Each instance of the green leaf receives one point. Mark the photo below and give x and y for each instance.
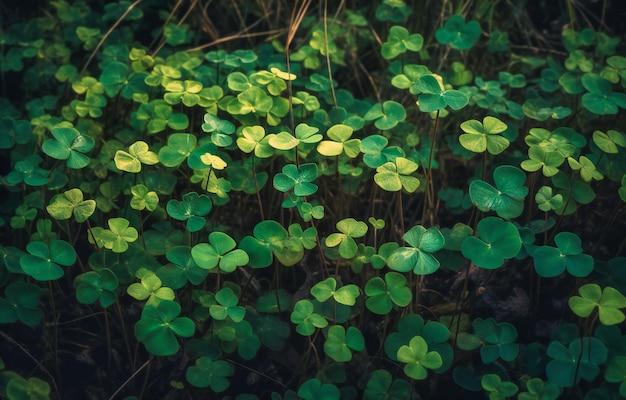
(44, 263)
(397, 175)
(507, 198)
(608, 142)
(138, 153)
(399, 41)
(207, 372)
(382, 385)
(419, 256)
(479, 137)
(298, 178)
(580, 360)
(339, 343)
(63, 206)
(306, 319)
(497, 241)
(327, 288)
(159, 325)
(418, 359)
(219, 251)
(608, 301)
(433, 97)
(95, 286)
(21, 303)
(69, 144)
(192, 208)
(550, 262)
(457, 33)
(382, 295)
(179, 147)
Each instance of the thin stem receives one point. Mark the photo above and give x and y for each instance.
(430, 191)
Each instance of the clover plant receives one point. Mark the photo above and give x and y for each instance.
(254, 200)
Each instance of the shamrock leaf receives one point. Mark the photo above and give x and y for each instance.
(69, 144)
(306, 319)
(479, 137)
(327, 288)
(44, 262)
(119, 234)
(150, 289)
(350, 229)
(608, 301)
(580, 360)
(208, 372)
(399, 41)
(550, 261)
(340, 143)
(227, 306)
(192, 209)
(69, 203)
(383, 294)
(219, 251)
(418, 359)
(599, 98)
(396, 175)
(339, 342)
(160, 324)
(433, 97)
(21, 303)
(179, 147)
(497, 241)
(138, 153)
(95, 286)
(419, 256)
(507, 198)
(297, 178)
(458, 34)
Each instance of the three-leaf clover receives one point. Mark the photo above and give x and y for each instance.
(399, 41)
(340, 341)
(150, 289)
(227, 306)
(208, 372)
(43, 262)
(497, 241)
(383, 294)
(21, 302)
(179, 147)
(394, 176)
(616, 373)
(434, 97)
(506, 198)
(138, 153)
(382, 385)
(498, 389)
(340, 142)
(327, 288)
(580, 359)
(418, 359)
(69, 203)
(306, 319)
(297, 178)
(95, 286)
(270, 239)
(160, 324)
(219, 251)
(350, 229)
(479, 137)
(457, 33)
(599, 98)
(568, 255)
(418, 257)
(609, 301)
(192, 208)
(119, 234)
(69, 144)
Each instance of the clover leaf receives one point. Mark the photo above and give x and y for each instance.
(150, 289)
(31, 388)
(609, 301)
(340, 341)
(143, 198)
(192, 208)
(98, 286)
(498, 389)
(383, 294)
(506, 198)
(29, 172)
(418, 359)
(599, 98)
(497, 241)
(21, 303)
(381, 385)
(181, 269)
(69, 144)
(539, 158)
(399, 41)
(219, 251)
(419, 256)
(179, 147)
(297, 178)
(208, 372)
(119, 234)
(313, 389)
(479, 137)
(539, 390)
(270, 239)
(547, 201)
(550, 261)
(340, 143)
(43, 262)
(350, 229)
(616, 373)
(580, 360)
(327, 288)
(433, 97)
(457, 33)
(138, 153)
(608, 142)
(586, 167)
(396, 175)
(70, 202)
(160, 324)
(498, 340)
(306, 319)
